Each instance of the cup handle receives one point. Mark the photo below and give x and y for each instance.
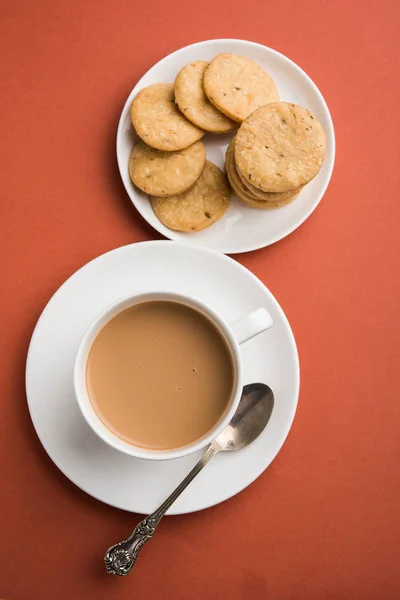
(251, 325)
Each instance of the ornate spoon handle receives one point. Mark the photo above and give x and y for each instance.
(121, 557)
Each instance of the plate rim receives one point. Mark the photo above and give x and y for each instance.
(219, 255)
(329, 157)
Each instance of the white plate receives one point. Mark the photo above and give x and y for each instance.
(118, 479)
(242, 228)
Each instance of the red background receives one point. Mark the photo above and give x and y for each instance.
(323, 521)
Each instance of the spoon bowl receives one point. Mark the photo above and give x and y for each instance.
(250, 419)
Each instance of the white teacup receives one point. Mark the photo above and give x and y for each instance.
(234, 334)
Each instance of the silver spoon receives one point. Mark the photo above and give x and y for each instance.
(251, 417)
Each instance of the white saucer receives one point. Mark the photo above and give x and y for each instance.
(242, 228)
(120, 480)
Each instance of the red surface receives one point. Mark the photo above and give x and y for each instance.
(323, 521)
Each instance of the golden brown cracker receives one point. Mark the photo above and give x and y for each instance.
(159, 122)
(166, 173)
(200, 206)
(280, 147)
(193, 102)
(237, 86)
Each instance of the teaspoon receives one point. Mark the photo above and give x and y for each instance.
(251, 417)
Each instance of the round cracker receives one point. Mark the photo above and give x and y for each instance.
(240, 189)
(200, 206)
(237, 86)
(158, 121)
(280, 147)
(166, 173)
(192, 101)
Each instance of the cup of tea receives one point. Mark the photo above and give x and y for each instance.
(158, 375)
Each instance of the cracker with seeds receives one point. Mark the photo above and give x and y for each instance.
(194, 104)
(158, 121)
(166, 173)
(237, 86)
(280, 147)
(200, 206)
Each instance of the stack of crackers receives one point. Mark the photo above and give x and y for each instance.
(278, 148)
